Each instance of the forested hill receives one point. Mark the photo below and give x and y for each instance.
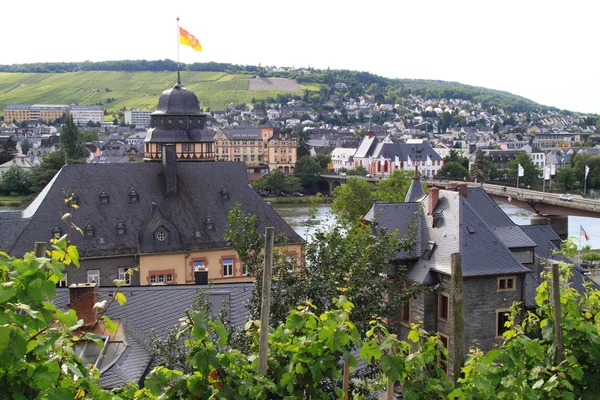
(357, 84)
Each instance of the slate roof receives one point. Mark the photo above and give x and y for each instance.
(245, 133)
(198, 198)
(401, 216)
(509, 232)
(459, 228)
(157, 308)
(415, 191)
(404, 150)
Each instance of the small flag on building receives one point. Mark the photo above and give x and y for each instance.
(521, 170)
(553, 169)
(188, 39)
(408, 162)
(587, 171)
(397, 161)
(429, 162)
(583, 233)
(547, 173)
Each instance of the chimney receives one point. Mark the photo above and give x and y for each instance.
(169, 161)
(462, 189)
(434, 195)
(83, 297)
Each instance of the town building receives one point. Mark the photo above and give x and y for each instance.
(139, 118)
(165, 217)
(42, 112)
(501, 261)
(125, 357)
(17, 112)
(383, 157)
(260, 147)
(82, 115)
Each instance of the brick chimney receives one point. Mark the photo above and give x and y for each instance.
(434, 196)
(83, 297)
(462, 189)
(169, 162)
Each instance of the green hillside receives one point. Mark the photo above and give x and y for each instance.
(115, 90)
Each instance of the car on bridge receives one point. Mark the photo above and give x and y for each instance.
(565, 197)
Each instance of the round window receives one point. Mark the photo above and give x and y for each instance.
(161, 235)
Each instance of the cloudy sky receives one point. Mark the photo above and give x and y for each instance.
(547, 51)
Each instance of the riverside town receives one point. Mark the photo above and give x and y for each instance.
(224, 231)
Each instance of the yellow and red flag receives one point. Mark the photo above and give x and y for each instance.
(189, 40)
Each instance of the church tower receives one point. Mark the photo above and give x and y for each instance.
(179, 122)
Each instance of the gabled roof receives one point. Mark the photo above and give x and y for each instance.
(198, 199)
(366, 146)
(509, 232)
(400, 216)
(404, 150)
(459, 228)
(157, 308)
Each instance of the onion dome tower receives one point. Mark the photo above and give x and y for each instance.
(179, 122)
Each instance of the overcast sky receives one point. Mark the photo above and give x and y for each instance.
(547, 51)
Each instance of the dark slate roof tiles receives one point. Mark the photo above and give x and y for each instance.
(198, 198)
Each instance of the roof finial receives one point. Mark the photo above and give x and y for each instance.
(416, 176)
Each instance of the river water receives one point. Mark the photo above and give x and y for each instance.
(296, 215)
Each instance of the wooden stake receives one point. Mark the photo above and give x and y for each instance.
(346, 383)
(389, 390)
(556, 299)
(40, 249)
(457, 302)
(265, 305)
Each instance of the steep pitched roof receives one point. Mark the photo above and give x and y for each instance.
(198, 199)
(400, 216)
(509, 232)
(157, 308)
(458, 229)
(415, 191)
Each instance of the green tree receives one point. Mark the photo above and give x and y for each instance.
(323, 159)
(452, 170)
(8, 151)
(88, 136)
(25, 146)
(307, 170)
(481, 167)
(41, 174)
(394, 188)
(454, 156)
(352, 200)
(16, 180)
(70, 142)
(566, 177)
(532, 173)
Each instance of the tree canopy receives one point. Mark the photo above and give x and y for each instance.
(307, 170)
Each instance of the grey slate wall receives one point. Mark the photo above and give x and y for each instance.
(109, 270)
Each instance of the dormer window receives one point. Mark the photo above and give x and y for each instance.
(429, 250)
(210, 225)
(74, 199)
(134, 197)
(224, 193)
(103, 197)
(56, 232)
(120, 228)
(89, 230)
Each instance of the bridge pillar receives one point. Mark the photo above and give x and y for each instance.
(560, 223)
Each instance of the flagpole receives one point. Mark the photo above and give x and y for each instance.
(178, 33)
(579, 254)
(585, 174)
